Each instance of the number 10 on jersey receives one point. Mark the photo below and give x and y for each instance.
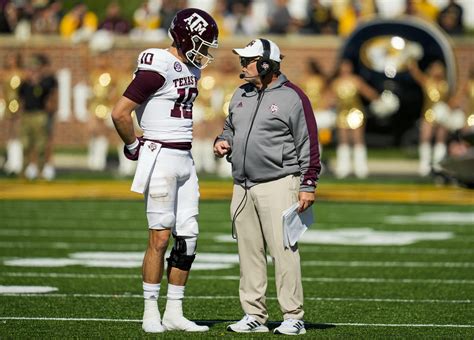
(183, 106)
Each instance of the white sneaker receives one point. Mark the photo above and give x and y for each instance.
(290, 327)
(248, 324)
(48, 173)
(180, 323)
(31, 171)
(152, 322)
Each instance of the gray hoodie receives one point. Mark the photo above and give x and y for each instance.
(272, 134)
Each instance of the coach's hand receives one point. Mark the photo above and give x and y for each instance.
(306, 199)
(221, 148)
(132, 151)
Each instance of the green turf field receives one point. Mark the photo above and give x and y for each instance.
(357, 284)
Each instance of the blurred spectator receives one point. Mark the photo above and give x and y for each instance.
(346, 91)
(145, 18)
(315, 86)
(46, 20)
(168, 10)
(279, 18)
(103, 84)
(434, 114)
(353, 12)
(422, 9)
(8, 16)
(427, 10)
(221, 15)
(462, 103)
(320, 19)
(231, 3)
(51, 100)
(113, 21)
(451, 18)
(240, 20)
(34, 95)
(78, 23)
(25, 12)
(11, 77)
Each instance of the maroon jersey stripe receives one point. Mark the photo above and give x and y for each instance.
(314, 161)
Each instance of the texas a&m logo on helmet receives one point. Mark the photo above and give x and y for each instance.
(193, 32)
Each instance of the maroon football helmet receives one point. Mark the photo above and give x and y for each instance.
(193, 32)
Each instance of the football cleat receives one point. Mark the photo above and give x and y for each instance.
(180, 323)
(248, 324)
(290, 327)
(152, 322)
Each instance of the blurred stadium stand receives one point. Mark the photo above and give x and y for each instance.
(71, 132)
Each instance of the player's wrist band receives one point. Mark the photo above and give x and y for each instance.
(132, 146)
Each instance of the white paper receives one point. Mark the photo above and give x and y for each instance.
(294, 224)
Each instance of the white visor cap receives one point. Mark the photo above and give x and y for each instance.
(255, 49)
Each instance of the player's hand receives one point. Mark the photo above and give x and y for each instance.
(306, 199)
(132, 151)
(221, 148)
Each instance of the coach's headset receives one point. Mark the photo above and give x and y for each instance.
(264, 64)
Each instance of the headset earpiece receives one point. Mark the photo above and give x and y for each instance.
(264, 64)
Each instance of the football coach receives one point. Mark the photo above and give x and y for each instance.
(270, 137)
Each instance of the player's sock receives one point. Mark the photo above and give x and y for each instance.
(173, 318)
(151, 314)
(343, 161)
(439, 152)
(361, 169)
(424, 150)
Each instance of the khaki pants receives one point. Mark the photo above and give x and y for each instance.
(259, 227)
(33, 131)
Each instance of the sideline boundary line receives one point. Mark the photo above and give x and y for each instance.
(216, 190)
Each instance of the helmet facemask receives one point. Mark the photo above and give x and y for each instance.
(199, 55)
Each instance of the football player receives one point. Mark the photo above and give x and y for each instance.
(162, 94)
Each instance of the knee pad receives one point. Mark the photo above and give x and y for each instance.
(179, 257)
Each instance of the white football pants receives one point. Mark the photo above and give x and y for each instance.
(172, 195)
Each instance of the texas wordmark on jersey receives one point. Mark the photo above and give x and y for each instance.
(167, 114)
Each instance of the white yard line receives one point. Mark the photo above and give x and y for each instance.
(217, 248)
(236, 278)
(140, 296)
(74, 245)
(366, 249)
(404, 264)
(72, 233)
(328, 323)
(87, 233)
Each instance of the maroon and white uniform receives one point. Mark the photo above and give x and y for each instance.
(166, 88)
(167, 114)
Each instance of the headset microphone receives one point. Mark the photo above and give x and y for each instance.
(242, 76)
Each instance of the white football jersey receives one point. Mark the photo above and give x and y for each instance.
(167, 114)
